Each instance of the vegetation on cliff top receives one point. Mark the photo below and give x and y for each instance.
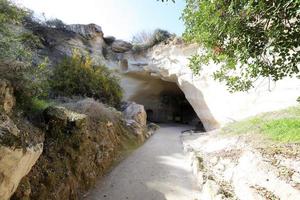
(249, 39)
(35, 83)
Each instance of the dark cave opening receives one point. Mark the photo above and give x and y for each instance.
(164, 101)
(173, 108)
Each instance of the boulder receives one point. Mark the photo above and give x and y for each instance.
(109, 40)
(136, 112)
(16, 157)
(120, 46)
(151, 128)
(7, 127)
(88, 31)
(7, 99)
(64, 120)
(136, 118)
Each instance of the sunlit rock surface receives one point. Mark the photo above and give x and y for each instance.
(234, 167)
(136, 117)
(7, 99)
(211, 100)
(20, 145)
(147, 74)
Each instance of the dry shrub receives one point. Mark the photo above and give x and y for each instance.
(94, 109)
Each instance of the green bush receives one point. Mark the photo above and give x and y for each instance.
(17, 48)
(77, 76)
(280, 126)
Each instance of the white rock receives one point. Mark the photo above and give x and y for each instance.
(14, 165)
(214, 105)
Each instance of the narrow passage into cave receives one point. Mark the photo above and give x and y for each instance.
(164, 102)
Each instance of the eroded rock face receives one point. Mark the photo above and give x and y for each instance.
(120, 46)
(87, 31)
(169, 61)
(14, 165)
(7, 99)
(232, 167)
(137, 118)
(19, 147)
(213, 103)
(136, 112)
(62, 119)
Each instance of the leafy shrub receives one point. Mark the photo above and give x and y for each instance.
(143, 40)
(11, 47)
(16, 52)
(30, 85)
(77, 76)
(247, 39)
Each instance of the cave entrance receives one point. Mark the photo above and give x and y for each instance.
(170, 107)
(164, 102)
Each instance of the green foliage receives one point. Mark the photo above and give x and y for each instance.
(143, 41)
(11, 40)
(29, 82)
(283, 129)
(16, 50)
(281, 126)
(77, 76)
(38, 104)
(249, 39)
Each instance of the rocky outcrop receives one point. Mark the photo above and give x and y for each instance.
(7, 99)
(136, 117)
(20, 144)
(120, 46)
(14, 165)
(144, 74)
(136, 112)
(58, 43)
(64, 120)
(109, 39)
(231, 167)
(88, 31)
(213, 103)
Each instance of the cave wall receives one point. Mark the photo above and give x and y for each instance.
(164, 100)
(168, 61)
(210, 99)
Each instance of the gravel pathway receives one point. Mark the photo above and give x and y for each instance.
(158, 170)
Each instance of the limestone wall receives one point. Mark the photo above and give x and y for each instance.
(210, 99)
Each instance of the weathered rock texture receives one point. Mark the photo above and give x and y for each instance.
(136, 118)
(233, 168)
(214, 105)
(120, 46)
(7, 99)
(84, 139)
(89, 31)
(147, 74)
(20, 144)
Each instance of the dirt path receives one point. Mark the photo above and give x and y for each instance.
(156, 171)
